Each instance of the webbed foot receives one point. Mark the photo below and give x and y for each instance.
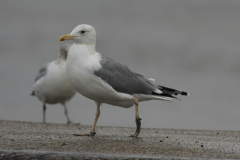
(138, 123)
(86, 134)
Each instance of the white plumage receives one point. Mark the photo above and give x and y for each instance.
(105, 80)
(52, 84)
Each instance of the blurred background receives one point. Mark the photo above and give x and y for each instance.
(187, 45)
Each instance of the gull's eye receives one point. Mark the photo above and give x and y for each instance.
(82, 31)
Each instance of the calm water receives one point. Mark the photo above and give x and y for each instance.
(188, 45)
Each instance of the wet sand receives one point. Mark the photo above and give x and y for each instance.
(56, 141)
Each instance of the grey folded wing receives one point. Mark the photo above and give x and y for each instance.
(122, 79)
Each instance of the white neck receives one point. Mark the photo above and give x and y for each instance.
(82, 58)
(90, 47)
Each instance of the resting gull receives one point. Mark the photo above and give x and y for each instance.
(52, 85)
(105, 80)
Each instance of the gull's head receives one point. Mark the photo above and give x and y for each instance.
(83, 34)
(63, 53)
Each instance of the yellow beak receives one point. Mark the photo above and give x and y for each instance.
(66, 37)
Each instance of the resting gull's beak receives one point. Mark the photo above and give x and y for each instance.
(66, 37)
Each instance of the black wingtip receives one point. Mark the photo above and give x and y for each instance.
(185, 94)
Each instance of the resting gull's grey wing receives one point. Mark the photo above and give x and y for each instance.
(122, 79)
(42, 72)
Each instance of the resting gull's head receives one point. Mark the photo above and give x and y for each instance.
(64, 50)
(83, 34)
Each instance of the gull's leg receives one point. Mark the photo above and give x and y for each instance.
(96, 119)
(44, 112)
(137, 120)
(92, 132)
(66, 114)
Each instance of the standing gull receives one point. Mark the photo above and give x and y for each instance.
(105, 80)
(52, 85)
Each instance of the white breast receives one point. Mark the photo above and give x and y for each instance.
(80, 69)
(54, 87)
